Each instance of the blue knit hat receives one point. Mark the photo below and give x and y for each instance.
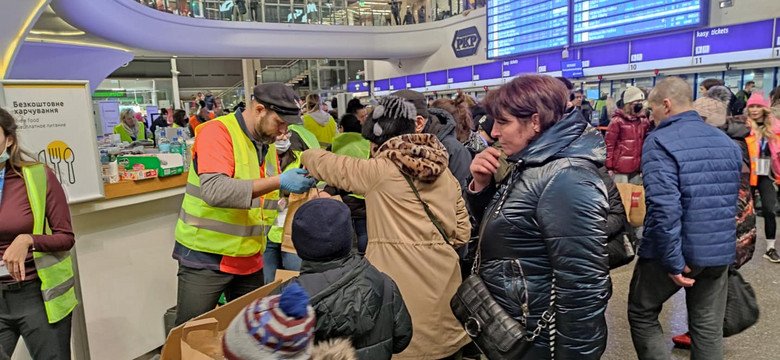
(274, 327)
(322, 230)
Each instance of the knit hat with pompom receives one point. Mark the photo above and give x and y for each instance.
(274, 327)
(393, 116)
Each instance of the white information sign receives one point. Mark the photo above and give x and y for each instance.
(109, 116)
(54, 122)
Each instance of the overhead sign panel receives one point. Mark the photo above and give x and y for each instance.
(436, 78)
(487, 71)
(382, 85)
(519, 66)
(743, 42)
(599, 20)
(398, 83)
(523, 26)
(572, 69)
(459, 75)
(357, 86)
(415, 81)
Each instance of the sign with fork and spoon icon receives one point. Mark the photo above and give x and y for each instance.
(55, 122)
(59, 155)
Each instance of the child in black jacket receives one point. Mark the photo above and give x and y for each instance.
(352, 299)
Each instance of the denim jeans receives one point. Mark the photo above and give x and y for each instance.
(274, 259)
(361, 230)
(706, 302)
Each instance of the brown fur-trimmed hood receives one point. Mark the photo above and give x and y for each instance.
(421, 156)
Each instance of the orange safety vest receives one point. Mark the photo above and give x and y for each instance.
(752, 145)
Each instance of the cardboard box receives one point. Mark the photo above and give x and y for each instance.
(223, 315)
(164, 164)
(133, 175)
(284, 275)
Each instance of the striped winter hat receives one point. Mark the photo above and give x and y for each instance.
(274, 327)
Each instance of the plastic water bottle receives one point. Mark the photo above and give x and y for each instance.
(157, 132)
(176, 147)
(628, 246)
(180, 134)
(163, 143)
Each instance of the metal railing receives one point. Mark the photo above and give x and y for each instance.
(325, 12)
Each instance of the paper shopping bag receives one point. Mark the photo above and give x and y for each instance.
(293, 203)
(633, 198)
(201, 340)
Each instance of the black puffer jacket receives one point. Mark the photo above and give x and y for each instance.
(354, 300)
(442, 124)
(549, 217)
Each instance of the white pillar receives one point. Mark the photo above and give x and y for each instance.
(250, 67)
(154, 92)
(176, 101)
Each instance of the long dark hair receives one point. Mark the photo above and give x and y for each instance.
(459, 109)
(180, 118)
(19, 156)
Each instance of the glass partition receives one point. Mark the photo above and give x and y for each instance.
(327, 12)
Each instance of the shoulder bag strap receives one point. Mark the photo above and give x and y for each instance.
(428, 211)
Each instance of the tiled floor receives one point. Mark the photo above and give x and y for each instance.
(759, 342)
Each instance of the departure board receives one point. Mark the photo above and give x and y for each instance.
(597, 20)
(522, 26)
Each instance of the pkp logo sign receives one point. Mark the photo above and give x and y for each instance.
(466, 42)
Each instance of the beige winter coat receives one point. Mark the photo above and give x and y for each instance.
(403, 242)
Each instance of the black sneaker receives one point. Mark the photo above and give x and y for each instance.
(772, 256)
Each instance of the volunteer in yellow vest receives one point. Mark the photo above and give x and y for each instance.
(36, 278)
(319, 122)
(288, 149)
(222, 226)
(129, 128)
(351, 142)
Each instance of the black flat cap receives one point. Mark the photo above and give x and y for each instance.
(280, 98)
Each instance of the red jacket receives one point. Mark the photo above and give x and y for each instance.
(625, 137)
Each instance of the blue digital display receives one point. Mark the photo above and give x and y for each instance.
(597, 20)
(522, 26)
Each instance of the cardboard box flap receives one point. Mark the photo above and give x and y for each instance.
(223, 314)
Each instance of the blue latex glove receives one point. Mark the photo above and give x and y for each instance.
(294, 181)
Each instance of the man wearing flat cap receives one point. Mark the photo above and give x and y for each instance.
(226, 212)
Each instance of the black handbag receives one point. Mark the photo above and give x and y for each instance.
(741, 305)
(497, 334)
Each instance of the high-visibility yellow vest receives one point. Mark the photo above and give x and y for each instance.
(308, 137)
(224, 231)
(275, 235)
(124, 136)
(276, 232)
(271, 200)
(353, 145)
(55, 269)
(324, 134)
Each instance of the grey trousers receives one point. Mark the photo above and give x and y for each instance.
(705, 300)
(22, 313)
(199, 290)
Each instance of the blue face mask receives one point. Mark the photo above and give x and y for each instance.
(5, 155)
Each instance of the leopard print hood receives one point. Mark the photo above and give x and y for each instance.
(421, 156)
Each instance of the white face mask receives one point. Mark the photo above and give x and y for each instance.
(5, 155)
(282, 146)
